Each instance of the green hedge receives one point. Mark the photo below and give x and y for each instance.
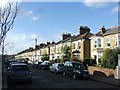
(109, 59)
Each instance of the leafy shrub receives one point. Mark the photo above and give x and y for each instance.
(92, 62)
(45, 57)
(109, 59)
(87, 62)
(118, 50)
(99, 60)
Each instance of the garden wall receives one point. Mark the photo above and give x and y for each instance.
(103, 72)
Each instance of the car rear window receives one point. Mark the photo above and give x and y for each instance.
(20, 68)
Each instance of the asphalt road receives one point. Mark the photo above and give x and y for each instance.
(46, 79)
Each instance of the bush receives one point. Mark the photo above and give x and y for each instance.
(99, 60)
(87, 62)
(52, 61)
(92, 62)
(62, 60)
(118, 50)
(109, 59)
(45, 57)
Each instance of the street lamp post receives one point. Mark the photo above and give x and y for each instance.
(35, 49)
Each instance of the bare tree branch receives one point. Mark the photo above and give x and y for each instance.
(8, 14)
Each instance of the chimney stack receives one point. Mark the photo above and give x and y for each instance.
(53, 42)
(83, 29)
(65, 36)
(48, 43)
(103, 29)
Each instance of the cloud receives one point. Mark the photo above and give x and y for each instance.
(94, 4)
(116, 9)
(33, 36)
(3, 3)
(35, 18)
(23, 12)
(28, 13)
(16, 42)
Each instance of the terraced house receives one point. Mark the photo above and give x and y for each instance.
(83, 46)
(105, 38)
(80, 47)
(66, 41)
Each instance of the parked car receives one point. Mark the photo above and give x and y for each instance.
(23, 61)
(9, 61)
(19, 72)
(56, 68)
(75, 69)
(36, 64)
(44, 65)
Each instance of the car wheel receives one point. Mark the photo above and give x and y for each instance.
(64, 73)
(74, 76)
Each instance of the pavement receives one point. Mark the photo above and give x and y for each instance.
(107, 80)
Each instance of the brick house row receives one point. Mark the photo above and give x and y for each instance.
(105, 38)
(85, 45)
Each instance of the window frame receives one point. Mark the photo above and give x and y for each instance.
(108, 41)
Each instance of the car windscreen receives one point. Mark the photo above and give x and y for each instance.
(78, 66)
(20, 68)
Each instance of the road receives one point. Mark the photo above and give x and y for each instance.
(46, 79)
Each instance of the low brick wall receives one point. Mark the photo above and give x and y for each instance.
(103, 71)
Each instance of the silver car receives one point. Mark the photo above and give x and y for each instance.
(56, 67)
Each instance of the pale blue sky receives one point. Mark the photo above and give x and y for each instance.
(47, 21)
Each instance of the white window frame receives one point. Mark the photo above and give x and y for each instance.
(108, 41)
(98, 42)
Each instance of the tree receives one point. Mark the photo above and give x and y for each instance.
(45, 57)
(109, 59)
(8, 13)
(66, 51)
(118, 50)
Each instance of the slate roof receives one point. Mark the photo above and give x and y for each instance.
(113, 30)
(109, 31)
(100, 33)
(62, 41)
(82, 36)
